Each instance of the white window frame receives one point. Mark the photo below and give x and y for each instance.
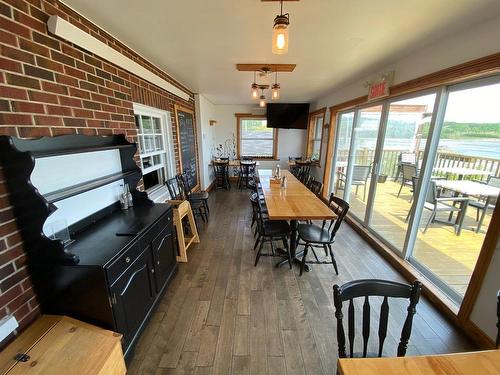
(240, 139)
(158, 192)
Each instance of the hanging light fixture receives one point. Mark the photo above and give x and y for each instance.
(280, 32)
(255, 88)
(275, 89)
(262, 101)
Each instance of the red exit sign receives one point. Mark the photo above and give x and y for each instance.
(378, 89)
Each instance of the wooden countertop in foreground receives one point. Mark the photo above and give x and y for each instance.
(471, 363)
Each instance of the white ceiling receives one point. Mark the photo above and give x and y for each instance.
(332, 42)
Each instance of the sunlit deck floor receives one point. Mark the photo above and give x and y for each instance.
(447, 255)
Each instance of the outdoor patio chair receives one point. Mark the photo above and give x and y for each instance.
(409, 170)
(480, 204)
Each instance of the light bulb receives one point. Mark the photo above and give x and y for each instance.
(280, 39)
(255, 91)
(275, 93)
(262, 102)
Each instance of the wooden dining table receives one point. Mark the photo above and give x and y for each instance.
(294, 202)
(471, 363)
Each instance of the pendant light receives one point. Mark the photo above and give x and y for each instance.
(275, 89)
(262, 101)
(280, 32)
(255, 88)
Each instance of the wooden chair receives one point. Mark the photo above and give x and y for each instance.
(303, 170)
(270, 231)
(366, 289)
(221, 171)
(247, 170)
(202, 196)
(314, 236)
(409, 170)
(315, 187)
(177, 194)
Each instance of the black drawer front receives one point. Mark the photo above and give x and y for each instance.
(152, 232)
(163, 256)
(121, 264)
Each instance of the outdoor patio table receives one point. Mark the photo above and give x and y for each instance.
(467, 188)
(461, 171)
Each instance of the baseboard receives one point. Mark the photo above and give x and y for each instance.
(210, 187)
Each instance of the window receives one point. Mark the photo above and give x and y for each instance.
(315, 134)
(255, 138)
(154, 139)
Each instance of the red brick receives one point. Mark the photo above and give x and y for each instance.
(49, 64)
(8, 130)
(102, 115)
(95, 124)
(62, 131)
(62, 58)
(109, 68)
(71, 102)
(84, 66)
(27, 107)
(10, 295)
(105, 91)
(15, 119)
(75, 122)
(38, 14)
(78, 112)
(13, 279)
(48, 121)
(18, 80)
(21, 299)
(8, 38)
(96, 80)
(88, 86)
(46, 40)
(11, 65)
(38, 72)
(11, 254)
(109, 108)
(68, 50)
(30, 46)
(93, 61)
(74, 72)
(91, 105)
(66, 80)
(5, 10)
(6, 270)
(14, 239)
(79, 93)
(34, 132)
(55, 88)
(37, 96)
(105, 132)
(18, 4)
(86, 131)
(14, 27)
(58, 110)
(29, 21)
(17, 54)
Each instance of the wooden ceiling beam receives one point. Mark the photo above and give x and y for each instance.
(271, 67)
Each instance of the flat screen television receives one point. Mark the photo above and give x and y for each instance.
(287, 115)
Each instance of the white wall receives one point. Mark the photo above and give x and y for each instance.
(291, 142)
(205, 111)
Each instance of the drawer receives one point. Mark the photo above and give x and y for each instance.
(120, 265)
(152, 232)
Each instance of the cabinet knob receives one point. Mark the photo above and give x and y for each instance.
(158, 262)
(127, 260)
(152, 270)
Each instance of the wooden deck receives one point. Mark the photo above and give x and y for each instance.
(449, 256)
(221, 315)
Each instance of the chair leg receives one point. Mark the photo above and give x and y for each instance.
(364, 192)
(258, 252)
(302, 265)
(334, 261)
(256, 242)
(401, 188)
(431, 219)
(285, 243)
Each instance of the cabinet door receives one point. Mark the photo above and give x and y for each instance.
(133, 295)
(163, 256)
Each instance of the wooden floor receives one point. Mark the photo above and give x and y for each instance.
(222, 315)
(452, 258)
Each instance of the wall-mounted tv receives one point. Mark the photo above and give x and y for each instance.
(287, 115)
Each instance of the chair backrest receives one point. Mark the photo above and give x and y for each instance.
(431, 193)
(247, 158)
(340, 207)
(498, 320)
(372, 287)
(257, 211)
(494, 181)
(183, 183)
(294, 158)
(360, 172)
(408, 157)
(174, 189)
(315, 187)
(221, 168)
(409, 170)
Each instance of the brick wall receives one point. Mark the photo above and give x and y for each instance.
(49, 87)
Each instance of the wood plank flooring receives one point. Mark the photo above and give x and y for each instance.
(222, 315)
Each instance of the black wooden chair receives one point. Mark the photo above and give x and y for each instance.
(498, 320)
(246, 173)
(193, 196)
(365, 289)
(314, 236)
(221, 171)
(303, 170)
(315, 187)
(270, 231)
(176, 193)
(293, 168)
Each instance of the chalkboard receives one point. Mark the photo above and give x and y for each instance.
(186, 136)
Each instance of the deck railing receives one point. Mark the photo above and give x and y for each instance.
(391, 158)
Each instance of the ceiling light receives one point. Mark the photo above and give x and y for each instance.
(280, 32)
(262, 102)
(255, 88)
(275, 90)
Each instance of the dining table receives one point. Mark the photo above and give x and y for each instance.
(470, 363)
(471, 188)
(293, 203)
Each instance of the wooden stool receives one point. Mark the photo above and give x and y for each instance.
(181, 210)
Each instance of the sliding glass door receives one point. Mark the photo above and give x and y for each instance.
(422, 173)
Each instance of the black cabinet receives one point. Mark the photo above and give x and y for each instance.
(163, 256)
